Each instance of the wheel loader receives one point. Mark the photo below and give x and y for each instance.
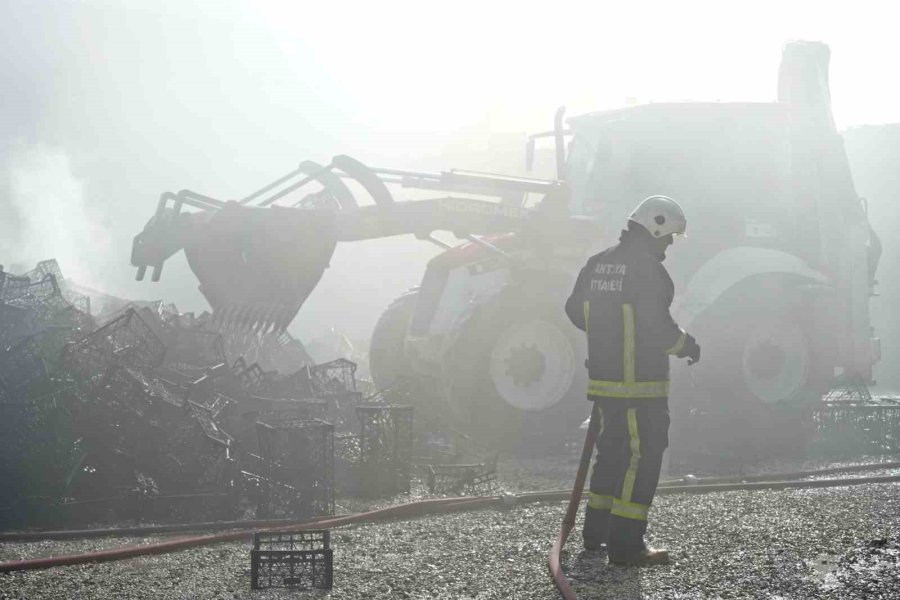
(773, 279)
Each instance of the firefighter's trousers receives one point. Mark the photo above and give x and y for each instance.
(632, 436)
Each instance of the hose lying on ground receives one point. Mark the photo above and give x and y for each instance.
(67, 534)
(786, 475)
(553, 561)
(143, 530)
(408, 511)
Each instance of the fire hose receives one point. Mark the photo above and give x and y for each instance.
(551, 496)
(440, 506)
(409, 510)
(553, 561)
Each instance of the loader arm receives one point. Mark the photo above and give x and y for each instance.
(461, 216)
(258, 261)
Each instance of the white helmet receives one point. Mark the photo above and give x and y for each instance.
(660, 215)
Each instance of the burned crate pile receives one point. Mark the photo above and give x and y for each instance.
(142, 412)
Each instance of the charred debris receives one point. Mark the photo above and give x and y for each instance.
(144, 413)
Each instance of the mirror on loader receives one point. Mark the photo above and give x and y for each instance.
(559, 135)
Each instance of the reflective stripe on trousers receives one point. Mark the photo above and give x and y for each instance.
(600, 501)
(623, 506)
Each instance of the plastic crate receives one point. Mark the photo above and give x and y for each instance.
(298, 461)
(385, 443)
(300, 560)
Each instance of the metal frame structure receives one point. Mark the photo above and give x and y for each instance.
(334, 211)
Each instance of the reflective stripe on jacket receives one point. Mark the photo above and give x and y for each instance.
(621, 300)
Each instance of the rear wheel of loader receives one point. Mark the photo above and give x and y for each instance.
(749, 394)
(516, 374)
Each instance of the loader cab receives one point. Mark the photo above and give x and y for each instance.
(728, 165)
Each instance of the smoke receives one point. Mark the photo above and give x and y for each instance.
(47, 216)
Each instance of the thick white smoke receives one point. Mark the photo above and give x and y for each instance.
(46, 216)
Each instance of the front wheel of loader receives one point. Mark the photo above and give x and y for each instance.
(387, 356)
(516, 374)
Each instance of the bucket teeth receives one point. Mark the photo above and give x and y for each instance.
(253, 319)
(243, 317)
(229, 316)
(264, 319)
(261, 320)
(270, 318)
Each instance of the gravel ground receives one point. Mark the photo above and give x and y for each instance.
(757, 544)
(825, 543)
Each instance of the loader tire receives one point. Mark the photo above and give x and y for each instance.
(750, 395)
(387, 358)
(516, 375)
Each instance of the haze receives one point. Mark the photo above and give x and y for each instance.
(108, 104)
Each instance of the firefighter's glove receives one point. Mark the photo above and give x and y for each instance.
(690, 350)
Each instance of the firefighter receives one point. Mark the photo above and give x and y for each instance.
(621, 301)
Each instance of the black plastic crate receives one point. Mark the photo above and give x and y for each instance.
(385, 448)
(462, 479)
(298, 461)
(300, 560)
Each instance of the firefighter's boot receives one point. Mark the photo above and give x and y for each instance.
(645, 558)
(596, 528)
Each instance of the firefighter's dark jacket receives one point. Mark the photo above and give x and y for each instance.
(621, 300)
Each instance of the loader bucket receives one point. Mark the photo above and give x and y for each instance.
(256, 266)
